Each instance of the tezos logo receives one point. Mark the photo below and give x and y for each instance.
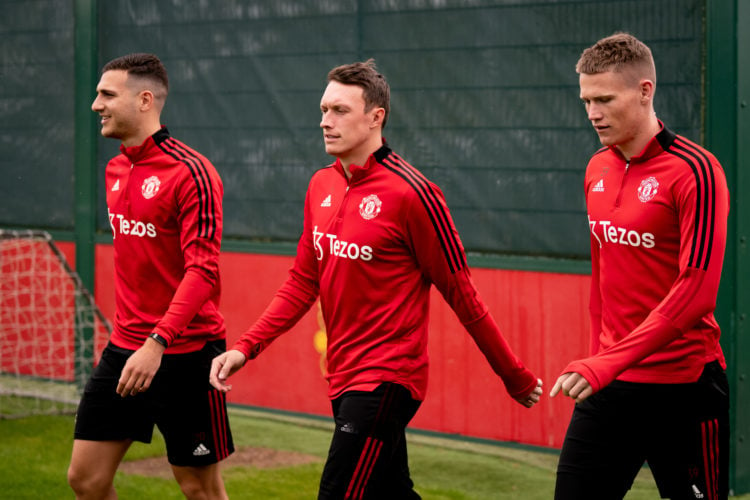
(121, 225)
(369, 208)
(150, 187)
(648, 189)
(605, 231)
(339, 248)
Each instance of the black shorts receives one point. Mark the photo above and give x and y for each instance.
(188, 411)
(368, 458)
(680, 430)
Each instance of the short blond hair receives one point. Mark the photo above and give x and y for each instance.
(619, 52)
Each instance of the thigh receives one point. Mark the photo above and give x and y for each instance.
(96, 462)
(193, 415)
(103, 415)
(367, 457)
(690, 456)
(603, 449)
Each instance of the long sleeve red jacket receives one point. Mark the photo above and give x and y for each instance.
(165, 209)
(658, 232)
(371, 248)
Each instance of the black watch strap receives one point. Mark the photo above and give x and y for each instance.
(159, 339)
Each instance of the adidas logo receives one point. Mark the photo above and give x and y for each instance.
(696, 492)
(326, 202)
(116, 187)
(200, 451)
(348, 427)
(599, 186)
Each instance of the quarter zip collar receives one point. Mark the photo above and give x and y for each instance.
(657, 145)
(360, 171)
(145, 149)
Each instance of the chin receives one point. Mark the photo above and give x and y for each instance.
(333, 151)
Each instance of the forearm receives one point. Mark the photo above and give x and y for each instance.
(518, 380)
(192, 292)
(286, 308)
(601, 369)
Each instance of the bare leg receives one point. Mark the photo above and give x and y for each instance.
(201, 483)
(93, 466)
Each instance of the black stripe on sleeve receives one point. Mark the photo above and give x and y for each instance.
(203, 184)
(705, 204)
(438, 215)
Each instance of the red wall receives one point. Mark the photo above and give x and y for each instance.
(543, 316)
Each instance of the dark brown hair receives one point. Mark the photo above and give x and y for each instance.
(141, 65)
(375, 89)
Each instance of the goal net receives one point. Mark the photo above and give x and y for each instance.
(48, 323)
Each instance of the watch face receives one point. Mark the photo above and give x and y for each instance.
(159, 339)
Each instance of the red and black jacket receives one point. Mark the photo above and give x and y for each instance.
(371, 248)
(164, 203)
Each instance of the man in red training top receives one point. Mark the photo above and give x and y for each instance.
(654, 386)
(165, 208)
(377, 234)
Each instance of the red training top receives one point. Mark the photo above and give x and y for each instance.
(164, 206)
(371, 247)
(658, 231)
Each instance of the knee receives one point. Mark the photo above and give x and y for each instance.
(197, 485)
(192, 489)
(88, 485)
(76, 480)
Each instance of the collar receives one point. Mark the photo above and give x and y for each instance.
(659, 143)
(146, 148)
(374, 159)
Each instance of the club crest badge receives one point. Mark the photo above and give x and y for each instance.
(648, 189)
(150, 187)
(369, 208)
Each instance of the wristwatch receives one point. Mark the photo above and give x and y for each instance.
(158, 338)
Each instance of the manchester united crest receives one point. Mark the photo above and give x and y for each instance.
(369, 208)
(150, 187)
(648, 189)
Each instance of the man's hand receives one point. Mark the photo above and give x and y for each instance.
(140, 369)
(534, 396)
(223, 366)
(573, 385)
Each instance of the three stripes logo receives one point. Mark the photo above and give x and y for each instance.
(201, 450)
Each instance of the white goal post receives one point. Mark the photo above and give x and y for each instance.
(48, 322)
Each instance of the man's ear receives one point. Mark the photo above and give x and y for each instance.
(377, 117)
(647, 88)
(145, 100)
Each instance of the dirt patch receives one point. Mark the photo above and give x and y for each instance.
(260, 458)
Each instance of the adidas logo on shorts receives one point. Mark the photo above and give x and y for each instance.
(201, 450)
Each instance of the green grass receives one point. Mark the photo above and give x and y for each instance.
(35, 452)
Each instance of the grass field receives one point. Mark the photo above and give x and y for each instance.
(35, 452)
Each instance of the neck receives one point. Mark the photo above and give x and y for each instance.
(645, 134)
(360, 156)
(141, 135)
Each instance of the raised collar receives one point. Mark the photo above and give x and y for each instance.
(658, 144)
(358, 171)
(146, 148)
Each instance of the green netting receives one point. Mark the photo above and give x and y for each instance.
(36, 110)
(484, 101)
